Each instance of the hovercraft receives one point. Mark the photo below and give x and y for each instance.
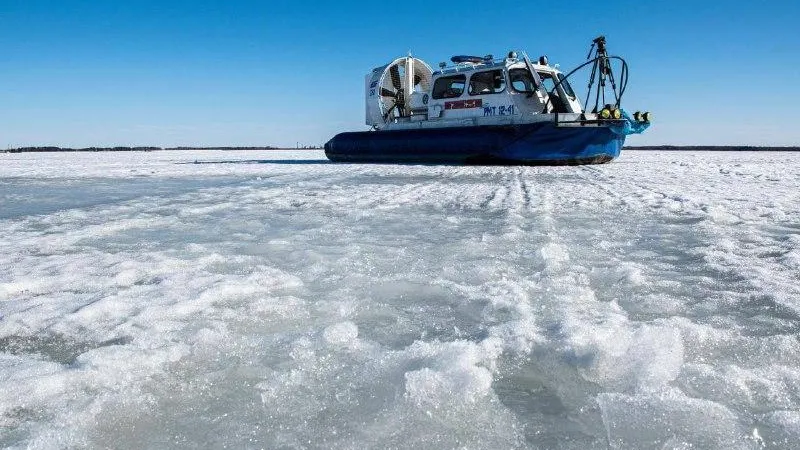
(482, 110)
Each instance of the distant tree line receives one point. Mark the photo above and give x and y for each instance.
(138, 149)
(85, 149)
(222, 148)
(722, 148)
(301, 147)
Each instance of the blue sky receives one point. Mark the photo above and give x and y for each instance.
(143, 72)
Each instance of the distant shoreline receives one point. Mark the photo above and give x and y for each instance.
(138, 149)
(714, 148)
(719, 148)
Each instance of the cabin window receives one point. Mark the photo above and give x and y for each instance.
(565, 84)
(521, 80)
(449, 87)
(487, 82)
(547, 81)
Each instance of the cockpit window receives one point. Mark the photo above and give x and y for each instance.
(554, 95)
(550, 82)
(565, 85)
(449, 87)
(547, 81)
(487, 82)
(521, 80)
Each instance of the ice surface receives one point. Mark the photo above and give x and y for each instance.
(275, 300)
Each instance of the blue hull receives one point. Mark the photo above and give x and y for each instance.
(535, 143)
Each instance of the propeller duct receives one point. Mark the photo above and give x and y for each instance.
(397, 82)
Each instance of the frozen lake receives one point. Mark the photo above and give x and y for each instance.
(273, 300)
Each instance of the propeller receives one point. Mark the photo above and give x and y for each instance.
(399, 104)
(394, 72)
(398, 96)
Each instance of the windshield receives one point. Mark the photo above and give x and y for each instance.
(550, 82)
(565, 85)
(547, 81)
(521, 80)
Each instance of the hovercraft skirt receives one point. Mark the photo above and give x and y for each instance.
(541, 143)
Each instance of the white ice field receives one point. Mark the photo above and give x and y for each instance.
(218, 299)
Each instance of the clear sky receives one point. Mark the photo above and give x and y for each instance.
(165, 73)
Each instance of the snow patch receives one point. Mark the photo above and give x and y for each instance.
(343, 333)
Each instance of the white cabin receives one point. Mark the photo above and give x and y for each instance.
(474, 91)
